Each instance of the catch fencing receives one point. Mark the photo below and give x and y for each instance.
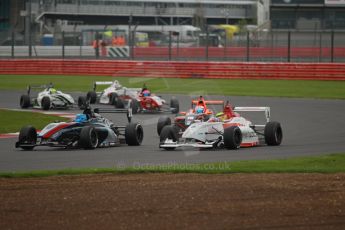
(264, 46)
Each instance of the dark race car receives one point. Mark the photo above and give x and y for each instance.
(88, 130)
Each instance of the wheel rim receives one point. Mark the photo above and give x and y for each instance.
(238, 137)
(139, 134)
(93, 138)
(278, 135)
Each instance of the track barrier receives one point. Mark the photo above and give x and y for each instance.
(175, 69)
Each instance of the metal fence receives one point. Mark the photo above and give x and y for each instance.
(284, 46)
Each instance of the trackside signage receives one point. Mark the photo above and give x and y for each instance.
(335, 2)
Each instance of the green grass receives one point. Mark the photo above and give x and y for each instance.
(332, 163)
(12, 121)
(269, 88)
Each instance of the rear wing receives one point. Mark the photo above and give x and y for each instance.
(209, 102)
(102, 83)
(30, 87)
(110, 110)
(255, 109)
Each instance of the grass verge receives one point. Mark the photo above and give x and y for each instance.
(13, 121)
(332, 163)
(269, 88)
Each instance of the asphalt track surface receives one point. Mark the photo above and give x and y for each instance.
(310, 126)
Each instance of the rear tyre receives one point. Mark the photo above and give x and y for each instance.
(92, 96)
(88, 138)
(27, 135)
(168, 132)
(24, 101)
(82, 102)
(273, 133)
(175, 105)
(134, 106)
(163, 121)
(134, 134)
(232, 137)
(45, 103)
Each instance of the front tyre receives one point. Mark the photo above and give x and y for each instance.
(175, 105)
(134, 134)
(45, 103)
(88, 138)
(120, 103)
(113, 99)
(273, 133)
(27, 136)
(163, 121)
(232, 137)
(168, 132)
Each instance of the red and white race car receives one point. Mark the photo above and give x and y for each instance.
(147, 102)
(227, 130)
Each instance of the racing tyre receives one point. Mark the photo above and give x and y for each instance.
(163, 121)
(175, 105)
(45, 103)
(168, 132)
(27, 135)
(232, 137)
(134, 106)
(24, 101)
(273, 133)
(88, 138)
(92, 96)
(120, 103)
(134, 134)
(113, 99)
(82, 102)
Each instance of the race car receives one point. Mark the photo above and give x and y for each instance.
(230, 130)
(139, 99)
(151, 103)
(49, 98)
(199, 111)
(111, 94)
(89, 130)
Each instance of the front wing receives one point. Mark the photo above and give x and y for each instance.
(172, 144)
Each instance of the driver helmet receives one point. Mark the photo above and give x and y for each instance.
(199, 109)
(146, 93)
(80, 118)
(52, 90)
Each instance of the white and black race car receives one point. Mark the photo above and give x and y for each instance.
(49, 98)
(111, 94)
